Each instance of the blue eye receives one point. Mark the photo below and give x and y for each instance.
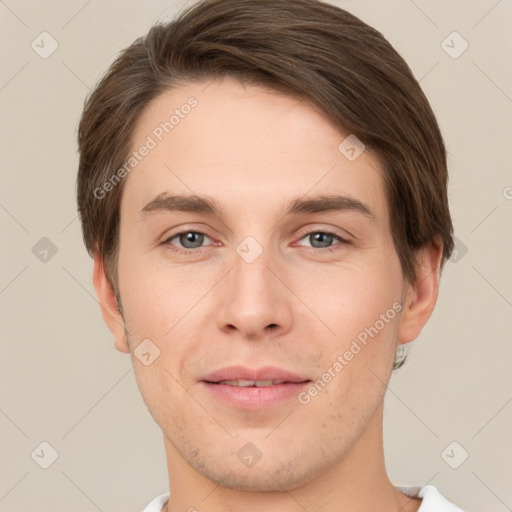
(322, 239)
(188, 239)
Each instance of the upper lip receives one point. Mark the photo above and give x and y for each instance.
(245, 373)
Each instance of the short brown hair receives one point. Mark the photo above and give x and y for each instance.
(305, 48)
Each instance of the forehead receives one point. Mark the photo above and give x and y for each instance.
(246, 146)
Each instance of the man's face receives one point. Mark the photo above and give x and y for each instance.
(254, 286)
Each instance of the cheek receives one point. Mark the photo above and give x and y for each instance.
(162, 304)
(167, 304)
(155, 294)
(346, 301)
(357, 359)
(361, 307)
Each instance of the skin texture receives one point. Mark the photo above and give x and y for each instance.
(296, 306)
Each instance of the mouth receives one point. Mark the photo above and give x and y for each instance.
(245, 388)
(242, 383)
(245, 376)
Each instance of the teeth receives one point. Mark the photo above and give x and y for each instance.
(263, 383)
(247, 383)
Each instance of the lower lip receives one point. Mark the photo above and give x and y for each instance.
(254, 397)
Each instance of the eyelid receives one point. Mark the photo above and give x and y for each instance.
(186, 228)
(341, 241)
(341, 234)
(169, 237)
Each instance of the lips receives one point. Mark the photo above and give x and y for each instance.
(242, 383)
(242, 376)
(265, 388)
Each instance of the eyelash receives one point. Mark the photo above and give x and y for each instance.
(187, 251)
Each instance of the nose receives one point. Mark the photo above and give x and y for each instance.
(252, 299)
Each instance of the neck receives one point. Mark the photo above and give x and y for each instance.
(357, 483)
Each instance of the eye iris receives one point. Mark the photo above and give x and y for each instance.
(324, 238)
(196, 239)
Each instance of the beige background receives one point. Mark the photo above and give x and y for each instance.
(63, 382)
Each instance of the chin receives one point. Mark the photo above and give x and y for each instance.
(260, 478)
(260, 481)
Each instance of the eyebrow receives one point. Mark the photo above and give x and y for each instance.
(209, 206)
(330, 203)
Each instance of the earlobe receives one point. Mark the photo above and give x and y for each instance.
(421, 296)
(109, 307)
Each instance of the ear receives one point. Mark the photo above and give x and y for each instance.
(421, 296)
(109, 306)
